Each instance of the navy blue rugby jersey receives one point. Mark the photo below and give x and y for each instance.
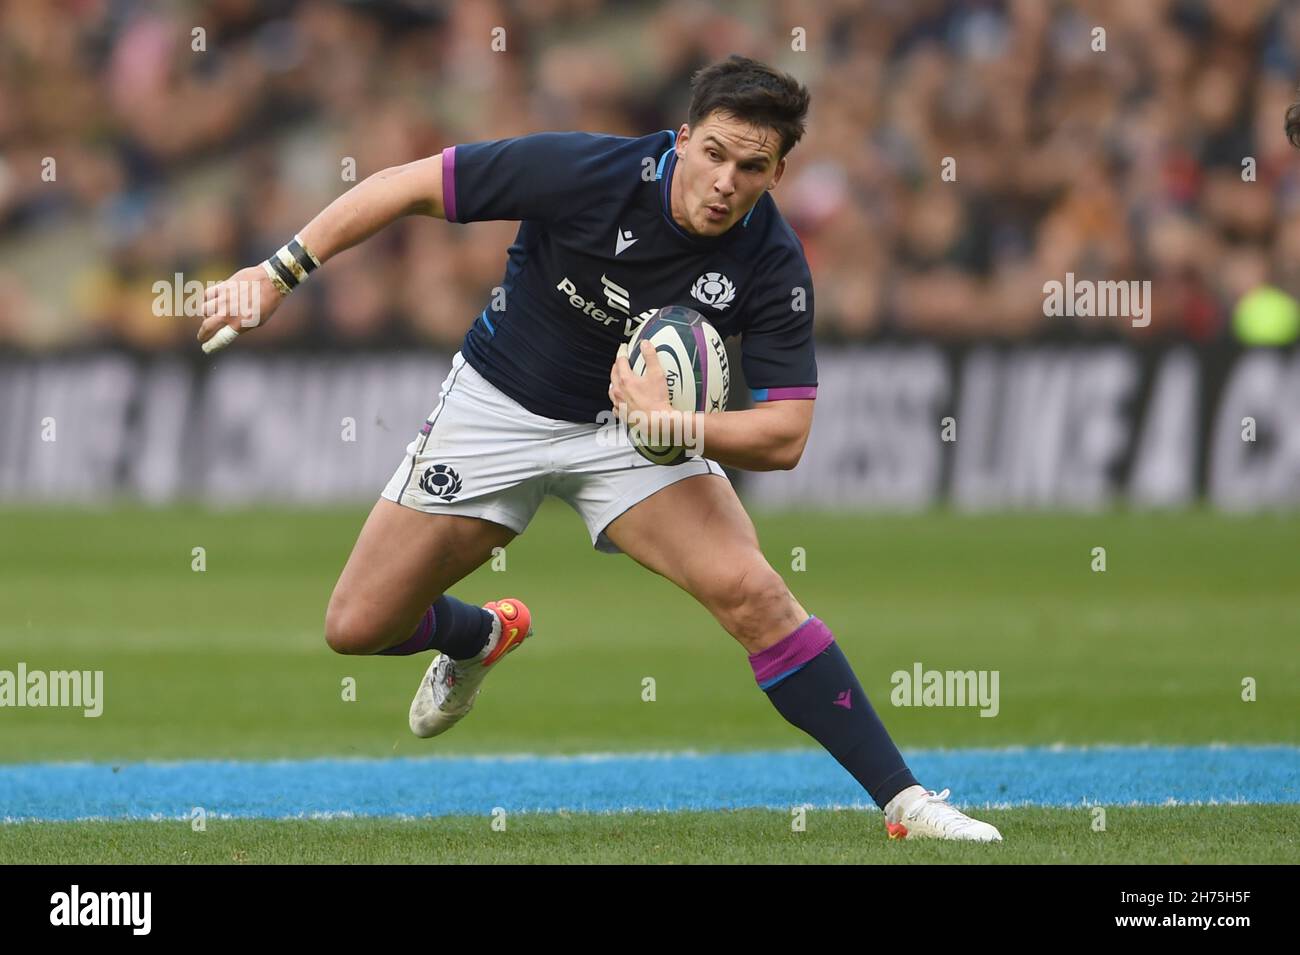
(598, 251)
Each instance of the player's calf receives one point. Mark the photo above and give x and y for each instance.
(751, 601)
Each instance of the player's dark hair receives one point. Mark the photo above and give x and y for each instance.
(754, 93)
(1293, 125)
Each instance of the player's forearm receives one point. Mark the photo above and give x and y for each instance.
(752, 440)
(415, 188)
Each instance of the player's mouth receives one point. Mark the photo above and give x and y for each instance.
(715, 213)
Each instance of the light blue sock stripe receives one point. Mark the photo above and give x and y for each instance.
(768, 684)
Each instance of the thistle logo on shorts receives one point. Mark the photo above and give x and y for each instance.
(440, 481)
(714, 288)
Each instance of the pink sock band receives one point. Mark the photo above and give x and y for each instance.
(791, 652)
(416, 642)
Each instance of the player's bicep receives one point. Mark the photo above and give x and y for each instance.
(792, 417)
(417, 187)
(785, 427)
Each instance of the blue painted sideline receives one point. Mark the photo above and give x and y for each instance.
(438, 786)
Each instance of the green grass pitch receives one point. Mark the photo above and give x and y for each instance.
(230, 662)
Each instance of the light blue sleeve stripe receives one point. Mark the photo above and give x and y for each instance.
(659, 171)
(483, 315)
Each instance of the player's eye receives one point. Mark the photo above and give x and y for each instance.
(713, 154)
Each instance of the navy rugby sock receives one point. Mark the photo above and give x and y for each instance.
(809, 681)
(450, 625)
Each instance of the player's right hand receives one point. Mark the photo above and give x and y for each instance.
(243, 301)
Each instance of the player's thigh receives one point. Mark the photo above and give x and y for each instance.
(403, 560)
(696, 534)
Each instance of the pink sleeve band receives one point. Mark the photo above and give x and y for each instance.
(784, 394)
(449, 183)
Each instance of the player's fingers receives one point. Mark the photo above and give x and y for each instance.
(211, 326)
(618, 401)
(224, 336)
(218, 296)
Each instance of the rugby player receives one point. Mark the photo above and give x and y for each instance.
(612, 228)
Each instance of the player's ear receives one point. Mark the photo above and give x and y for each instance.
(683, 137)
(780, 171)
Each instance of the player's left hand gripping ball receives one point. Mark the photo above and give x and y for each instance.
(631, 393)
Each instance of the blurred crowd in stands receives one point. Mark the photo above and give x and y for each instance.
(196, 138)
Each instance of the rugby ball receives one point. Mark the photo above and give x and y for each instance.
(694, 360)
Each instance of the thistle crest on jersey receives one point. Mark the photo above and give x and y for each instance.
(714, 288)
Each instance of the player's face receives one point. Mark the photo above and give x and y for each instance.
(723, 167)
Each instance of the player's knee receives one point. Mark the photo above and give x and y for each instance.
(749, 598)
(347, 632)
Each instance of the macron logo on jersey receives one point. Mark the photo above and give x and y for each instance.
(625, 241)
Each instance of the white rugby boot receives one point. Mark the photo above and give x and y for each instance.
(450, 687)
(930, 817)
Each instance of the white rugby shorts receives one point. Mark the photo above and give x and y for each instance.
(482, 454)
